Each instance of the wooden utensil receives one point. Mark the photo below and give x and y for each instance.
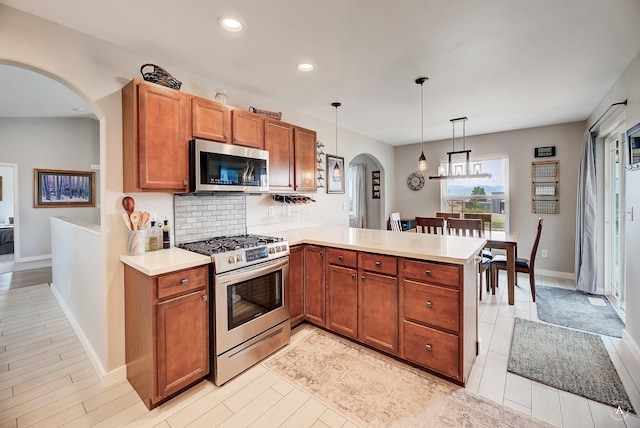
(144, 219)
(129, 205)
(126, 220)
(135, 220)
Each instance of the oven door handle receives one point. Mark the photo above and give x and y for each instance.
(251, 272)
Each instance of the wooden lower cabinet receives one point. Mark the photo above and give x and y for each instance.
(431, 348)
(378, 308)
(295, 294)
(166, 331)
(342, 300)
(314, 285)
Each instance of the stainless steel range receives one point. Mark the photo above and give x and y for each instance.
(250, 317)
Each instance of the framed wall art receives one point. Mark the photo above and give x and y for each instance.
(59, 188)
(375, 184)
(335, 174)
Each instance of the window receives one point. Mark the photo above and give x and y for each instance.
(482, 194)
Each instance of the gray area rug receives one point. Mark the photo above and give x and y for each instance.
(570, 360)
(573, 309)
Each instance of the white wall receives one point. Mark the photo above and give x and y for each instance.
(97, 71)
(628, 87)
(6, 204)
(67, 144)
(558, 232)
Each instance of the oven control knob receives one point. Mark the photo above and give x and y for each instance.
(232, 259)
(239, 257)
(272, 250)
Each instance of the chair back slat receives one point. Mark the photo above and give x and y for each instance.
(433, 225)
(394, 219)
(447, 216)
(534, 249)
(464, 227)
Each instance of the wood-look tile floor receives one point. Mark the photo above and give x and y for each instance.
(47, 380)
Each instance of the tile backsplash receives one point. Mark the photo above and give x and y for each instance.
(203, 217)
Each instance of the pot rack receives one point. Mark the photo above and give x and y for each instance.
(453, 152)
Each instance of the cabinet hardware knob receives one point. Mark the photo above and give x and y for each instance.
(185, 182)
(378, 264)
(235, 138)
(353, 276)
(321, 254)
(429, 304)
(185, 281)
(427, 347)
(362, 277)
(427, 272)
(340, 258)
(205, 298)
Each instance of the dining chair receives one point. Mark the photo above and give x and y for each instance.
(464, 227)
(394, 221)
(432, 225)
(447, 216)
(522, 265)
(485, 217)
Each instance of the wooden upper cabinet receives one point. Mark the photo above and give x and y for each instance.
(156, 130)
(247, 129)
(305, 160)
(278, 140)
(210, 120)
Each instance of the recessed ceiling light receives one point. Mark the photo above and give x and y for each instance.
(232, 24)
(305, 66)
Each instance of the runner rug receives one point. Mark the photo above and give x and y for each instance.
(376, 391)
(566, 359)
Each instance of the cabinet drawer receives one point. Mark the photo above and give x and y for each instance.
(347, 258)
(431, 348)
(430, 304)
(431, 272)
(378, 263)
(180, 282)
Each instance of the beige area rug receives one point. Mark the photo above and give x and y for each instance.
(376, 391)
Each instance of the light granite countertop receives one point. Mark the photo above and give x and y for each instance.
(164, 261)
(442, 248)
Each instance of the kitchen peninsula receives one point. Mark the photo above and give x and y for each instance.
(410, 295)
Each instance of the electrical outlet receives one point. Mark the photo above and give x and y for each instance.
(270, 211)
(345, 206)
(544, 253)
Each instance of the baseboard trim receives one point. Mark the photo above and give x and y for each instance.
(32, 258)
(106, 378)
(632, 345)
(555, 274)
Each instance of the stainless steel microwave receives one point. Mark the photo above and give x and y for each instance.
(219, 167)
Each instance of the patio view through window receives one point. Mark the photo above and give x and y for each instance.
(482, 194)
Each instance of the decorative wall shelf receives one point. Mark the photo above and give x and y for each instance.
(545, 178)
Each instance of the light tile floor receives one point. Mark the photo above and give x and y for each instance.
(47, 380)
(489, 376)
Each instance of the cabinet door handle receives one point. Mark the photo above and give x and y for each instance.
(185, 182)
(429, 304)
(353, 276)
(205, 298)
(185, 282)
(378, 264)
(340, 258)
(362, 277)
(235, 138)
(321, 254)
(428, 272)
(427, 347)
(226, 136)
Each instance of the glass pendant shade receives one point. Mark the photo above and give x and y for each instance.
(423, 165)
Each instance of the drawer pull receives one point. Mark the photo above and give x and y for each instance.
(427, 347)
(378, 264)
(428, 272)
(340, 258)
(185, 282)
(362, 277)
(429, 304)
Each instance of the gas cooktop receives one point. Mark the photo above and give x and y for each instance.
(221, 244)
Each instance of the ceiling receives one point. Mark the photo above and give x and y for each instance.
(505, 64)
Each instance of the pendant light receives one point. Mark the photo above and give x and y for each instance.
(459, 171)
(337, 173)
(423, 164)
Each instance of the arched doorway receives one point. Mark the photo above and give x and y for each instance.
(366, 192)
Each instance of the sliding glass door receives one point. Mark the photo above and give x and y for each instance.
(614, 221)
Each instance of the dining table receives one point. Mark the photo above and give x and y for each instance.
(507, 241)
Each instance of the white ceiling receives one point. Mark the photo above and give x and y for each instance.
(505, 64)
